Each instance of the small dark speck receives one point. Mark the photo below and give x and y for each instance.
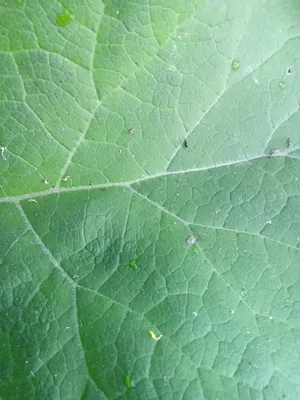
(289, 70)
(185, 143)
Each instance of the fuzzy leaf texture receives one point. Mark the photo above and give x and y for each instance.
(149, 210)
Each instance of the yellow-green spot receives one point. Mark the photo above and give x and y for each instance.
(128, 382)
(64, 18)
(196, 249)
(132, 264)
(152, 334)
(281, 84)
(235, 65)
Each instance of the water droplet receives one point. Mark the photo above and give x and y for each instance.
(281, 84)
(64, 18)
(235, 65)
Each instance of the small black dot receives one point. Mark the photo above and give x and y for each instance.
(289, 70)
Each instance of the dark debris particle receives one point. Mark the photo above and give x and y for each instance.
(185, 144)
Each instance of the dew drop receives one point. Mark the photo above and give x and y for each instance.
(281, 84)
(64, 18)
(235, 65)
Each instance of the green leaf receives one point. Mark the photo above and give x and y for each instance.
(149, 209)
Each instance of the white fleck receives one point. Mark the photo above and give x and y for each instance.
(191, 239)
(172, 68)
(232, 311)
(67, 327)
(195, 313)
(3, 149)
(269, 222)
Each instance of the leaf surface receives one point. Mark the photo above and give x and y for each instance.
(128, 128)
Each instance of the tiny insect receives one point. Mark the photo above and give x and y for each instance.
(132, 264)
(128, 382)
(288, 141)
(131, 131)
(46, 181)
(66, 178)
(185, 143)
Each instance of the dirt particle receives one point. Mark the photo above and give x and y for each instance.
(275, 152)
